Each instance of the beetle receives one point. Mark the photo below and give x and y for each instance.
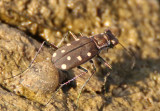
(83, 49)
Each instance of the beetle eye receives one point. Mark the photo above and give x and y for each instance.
(113, 42)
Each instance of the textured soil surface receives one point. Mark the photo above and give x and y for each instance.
(130, 86)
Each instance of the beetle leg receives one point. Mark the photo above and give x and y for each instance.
(93, 65)
(79, 67)
(84, 72)
(106, 82)
(73, 35)
(107, 64)
(93, 72)
(81, 34)
(59, 44)
(66, 35)
(82, 69)
(30, 63)
(55, 47)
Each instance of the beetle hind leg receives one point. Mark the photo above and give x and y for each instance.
(30, 63)
(93, 72)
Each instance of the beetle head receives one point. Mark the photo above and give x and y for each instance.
(105, 40)
(111, 38)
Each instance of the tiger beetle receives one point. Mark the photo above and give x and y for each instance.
(78, 52)
(81, 50)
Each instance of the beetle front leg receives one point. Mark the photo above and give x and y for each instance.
(106, 64)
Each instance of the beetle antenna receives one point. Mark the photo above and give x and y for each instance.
(131, 54)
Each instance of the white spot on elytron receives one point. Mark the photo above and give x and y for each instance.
(54, 55)
(62, 51)
(88, 54)
(69, 58)
(63, 66)
(68, 44)
(79, 58)
(77, 39)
